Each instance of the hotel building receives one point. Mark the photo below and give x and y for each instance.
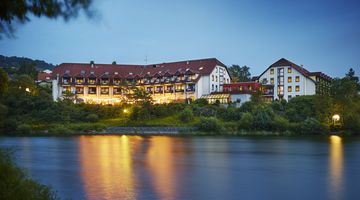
(290, 80)
(166, 82)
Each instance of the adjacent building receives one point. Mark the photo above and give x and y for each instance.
(290, 80)
(166, 82)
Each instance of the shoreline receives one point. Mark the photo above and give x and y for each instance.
(170, 131)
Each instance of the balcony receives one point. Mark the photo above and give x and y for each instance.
(179, 90)
(92, 81)
(158, 91)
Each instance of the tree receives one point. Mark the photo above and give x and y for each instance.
(351, 76)
(141, 96)
(19, 11)
(240, 74)
(28, 68)
(4, 81)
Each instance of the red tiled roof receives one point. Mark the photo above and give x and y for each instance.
(43, 76)
(201, 66)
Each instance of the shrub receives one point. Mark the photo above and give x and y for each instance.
(210, 124)
(280, 123)
(187, 115)
(23, 129)
(228, 114)
(92, 118)
(262, 120)
(311, 126)
(201, 102)
(246, 121)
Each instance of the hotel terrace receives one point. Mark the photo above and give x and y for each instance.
(166, 82)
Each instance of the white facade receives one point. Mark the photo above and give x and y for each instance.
(288, 82)
(205, 84)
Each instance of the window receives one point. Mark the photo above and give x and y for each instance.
(92, 72)
(289, 70)
(216, 88)
(92, 90)
(105, 90)
(297, 78)
(271, 71)
(250, 88)
(82, 72)
(212, 77)
(212, 87)
(289, 79)
(289, 89)
(297, 88)
(216, 78)
(241, 88)
(272, 80)
(79, 90)
(289, 97)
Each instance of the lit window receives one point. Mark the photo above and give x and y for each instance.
(272, 80)
(271, 71)
(250, 88)
(289, 70)
(297, 78)
(297, 88)
(289, 79)
(289, 89)
(241, 88)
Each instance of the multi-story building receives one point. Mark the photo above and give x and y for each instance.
(166, 82)
(290, 80)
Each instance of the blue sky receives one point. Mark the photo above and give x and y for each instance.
(322, 35)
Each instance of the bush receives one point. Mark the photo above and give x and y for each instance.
(262, 120)
(210, 124)
(246, 121)
(187, 115)
(201, 102)
(92, 118)
(15, 184)
(311, 126)
(280, 123)
(23, 129)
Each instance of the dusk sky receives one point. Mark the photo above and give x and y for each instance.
(322, 35)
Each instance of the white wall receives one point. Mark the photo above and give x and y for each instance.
(307, 86)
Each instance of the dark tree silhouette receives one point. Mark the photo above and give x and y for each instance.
(12, 11)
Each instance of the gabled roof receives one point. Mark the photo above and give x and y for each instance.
(202, 66)
(284, 62)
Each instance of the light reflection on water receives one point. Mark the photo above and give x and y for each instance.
(165, 168)
(106, 167)
(336, 165)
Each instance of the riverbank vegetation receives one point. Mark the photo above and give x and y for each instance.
(15, 184)
(27, 108)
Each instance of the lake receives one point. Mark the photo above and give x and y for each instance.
(161, 167)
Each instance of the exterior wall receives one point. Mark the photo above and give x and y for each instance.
(217, 78)
(305, 84)
(242, 97)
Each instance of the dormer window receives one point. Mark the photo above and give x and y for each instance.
(92, 72)
(67, 71)
(82, 72)
(200, 68)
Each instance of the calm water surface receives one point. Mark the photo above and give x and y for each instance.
(160, 167)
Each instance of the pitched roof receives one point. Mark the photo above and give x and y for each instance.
(202, 66)
(285, 62)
